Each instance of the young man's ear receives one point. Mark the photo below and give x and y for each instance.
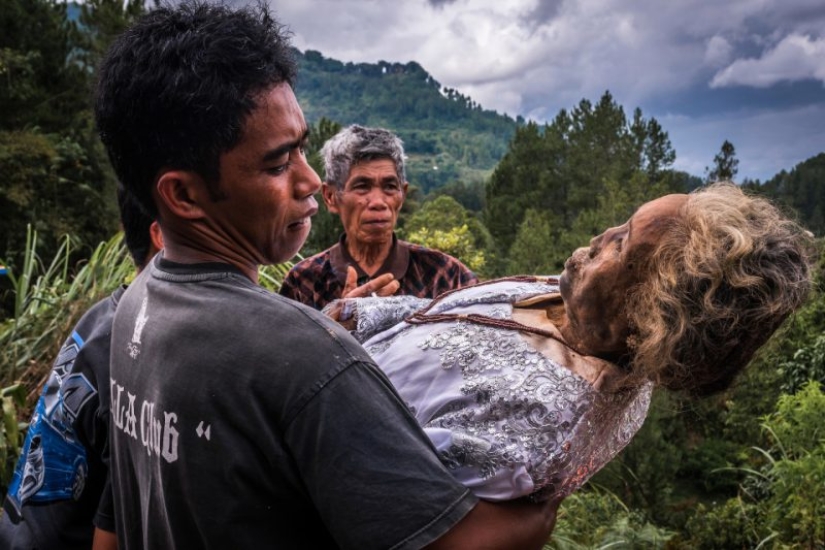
(180, 192)
(330, 194)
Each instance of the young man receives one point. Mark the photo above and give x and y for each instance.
(56, 490)
(366, 186)
(243, 419)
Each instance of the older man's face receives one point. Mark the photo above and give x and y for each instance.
(369, 202)
(596, 280)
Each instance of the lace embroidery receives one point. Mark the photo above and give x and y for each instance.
(513, 406)
(377, 314)
(517, 415)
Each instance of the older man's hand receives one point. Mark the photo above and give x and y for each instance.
(385, 285)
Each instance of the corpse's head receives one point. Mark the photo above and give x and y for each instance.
(689, 288)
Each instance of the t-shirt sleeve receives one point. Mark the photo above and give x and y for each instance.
(368, 467)
(105, 516)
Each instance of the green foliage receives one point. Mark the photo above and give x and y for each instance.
(102, 21)
(272, 276)
(443, 224)
(12, 399)
(51, 183)
(41, 85)
(55, 175)
(456, 242)
(536, 240)
(447, 135)
(787, 509)
(733, 524)
(50, 298)
(563, 169)
(596, 519)
(468, 195)
(801, 189)
(326, 226)
(808, 363)
(797, 427)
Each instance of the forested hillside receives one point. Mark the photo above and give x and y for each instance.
(447, 135)
(802, 189)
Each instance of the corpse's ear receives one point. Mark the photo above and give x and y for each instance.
(180, 192)
(330, 194)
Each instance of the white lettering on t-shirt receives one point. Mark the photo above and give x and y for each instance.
(170, 437)
(160, 438)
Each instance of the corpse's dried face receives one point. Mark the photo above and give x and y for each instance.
(596, 280)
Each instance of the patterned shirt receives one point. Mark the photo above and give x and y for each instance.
(422, 272)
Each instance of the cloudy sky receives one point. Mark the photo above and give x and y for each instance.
(749, 71)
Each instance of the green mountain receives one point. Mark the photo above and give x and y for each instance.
(447, 135)
(801, 189)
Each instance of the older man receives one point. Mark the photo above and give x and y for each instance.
(366, 186)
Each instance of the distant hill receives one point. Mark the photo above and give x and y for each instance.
(447, 135)
(802, 189)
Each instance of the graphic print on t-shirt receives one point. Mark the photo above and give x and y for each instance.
(53, 464)
(140, 322)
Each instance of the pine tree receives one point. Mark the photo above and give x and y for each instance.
(725, 164)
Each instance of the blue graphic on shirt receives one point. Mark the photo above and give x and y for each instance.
(53, 464)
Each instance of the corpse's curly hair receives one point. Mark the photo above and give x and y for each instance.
(723, 278)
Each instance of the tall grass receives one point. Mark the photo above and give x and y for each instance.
(49, 299)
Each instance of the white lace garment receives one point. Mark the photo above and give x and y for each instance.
(505, 419)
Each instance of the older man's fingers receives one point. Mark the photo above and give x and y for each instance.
(389, 289)
(385, 285)
(351, 282)
(379, 285)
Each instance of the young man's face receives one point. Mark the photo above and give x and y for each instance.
(370, 201)
(266, 184)
(596, 280)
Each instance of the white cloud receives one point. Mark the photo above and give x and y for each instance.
(531, 57)
(718, 51)
(796, 57)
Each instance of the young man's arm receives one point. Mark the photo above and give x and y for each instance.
(504, 525)
(104, 540)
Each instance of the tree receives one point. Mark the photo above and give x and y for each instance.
(41, 85)
(51, 184)
(533, 250)
(563, 168)
(102, 21)
(56, 175)
(725, 164)
(443, 224)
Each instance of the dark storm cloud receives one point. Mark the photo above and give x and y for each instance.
(544, 12)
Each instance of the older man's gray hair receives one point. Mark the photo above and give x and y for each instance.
(355, 144)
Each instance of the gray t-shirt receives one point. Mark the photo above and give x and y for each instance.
(242, 419)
